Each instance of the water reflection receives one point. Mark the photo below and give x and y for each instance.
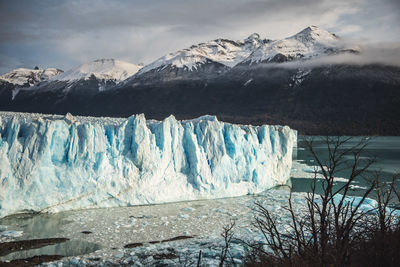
(36, 226)
(68, 248)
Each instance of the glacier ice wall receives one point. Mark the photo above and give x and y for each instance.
(53, 163)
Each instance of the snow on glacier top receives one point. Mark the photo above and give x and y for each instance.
(110, 121)
(24, 76)
(87, 119)
(68, 117)
(108, 69)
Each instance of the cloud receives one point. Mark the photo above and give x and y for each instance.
(6, 61)
(345, 30)
(387, 54)
(371, 53)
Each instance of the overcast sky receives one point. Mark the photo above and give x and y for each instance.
(66, 33)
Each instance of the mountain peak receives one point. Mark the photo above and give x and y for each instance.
(29, 77)
(309, 43)
(315, 34)
(254, 36)
(108, 69)
(312, 28)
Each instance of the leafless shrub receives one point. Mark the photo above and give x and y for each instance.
(227, 234)
(334, 228)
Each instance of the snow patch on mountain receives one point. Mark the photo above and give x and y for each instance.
(103, 69)
(53, 163)
(299, 77)
(29, 77)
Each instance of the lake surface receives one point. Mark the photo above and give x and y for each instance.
(384, 150)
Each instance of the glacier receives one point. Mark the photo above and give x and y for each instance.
(52, 163)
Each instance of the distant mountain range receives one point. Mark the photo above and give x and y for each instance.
(254, 81)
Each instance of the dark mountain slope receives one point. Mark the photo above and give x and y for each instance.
(337, 99)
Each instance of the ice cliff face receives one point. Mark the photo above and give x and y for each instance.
(53, 163)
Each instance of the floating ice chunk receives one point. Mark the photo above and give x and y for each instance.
(221, 210)
(340, 179)
(358, 187)
(314, 169)
(11, 233)
(184, 216)
(302, 170)
(367, 205)
(187, 209)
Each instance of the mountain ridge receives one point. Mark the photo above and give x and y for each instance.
(29, 77)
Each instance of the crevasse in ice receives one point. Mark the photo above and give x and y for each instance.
(54, 163)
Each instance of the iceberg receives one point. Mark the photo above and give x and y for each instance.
(52, 163)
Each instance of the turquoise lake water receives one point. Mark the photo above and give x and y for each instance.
(384, 150)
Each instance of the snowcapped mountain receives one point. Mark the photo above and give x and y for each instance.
(88, 78)
(29, 77)
(200, 61)
(103, 69)
(221, 51)
(224, 54)
(309, 43)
